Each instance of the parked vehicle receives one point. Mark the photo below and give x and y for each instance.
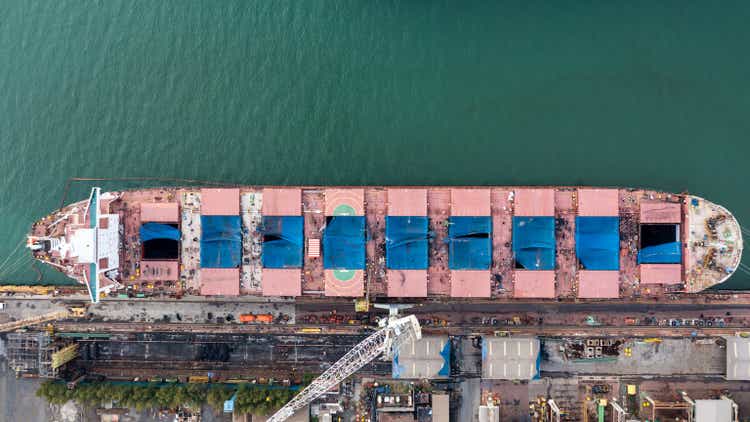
(600, 389)
(261, 318)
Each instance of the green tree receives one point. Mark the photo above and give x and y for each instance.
(218, 395)
(250, 399)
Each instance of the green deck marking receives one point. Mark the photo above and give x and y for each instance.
(343, 210)
(343, 275)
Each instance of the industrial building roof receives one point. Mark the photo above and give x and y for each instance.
(489, 413)
(598, 284)
(347, 283)
(660, 212)
(598, 202)
(510, 358)
(407, 283)
(407, 202)
(220, 201)
(220, 282)
(396, 416)
(426, 358)
(159, 270)
(714, 411)
(301, 415)
(534, 284)
(160, 212)
(282, 201)
(534, 202)
(348, 201)
(738, 358)
(440, 408)
(282, 282)
(470, 283)
(470, 202)
(661, 273)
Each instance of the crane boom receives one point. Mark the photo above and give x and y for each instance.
(384, 341)
(10, 326)
(73, 312)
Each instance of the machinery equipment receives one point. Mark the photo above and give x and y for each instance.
(39, 319)
(394, 332)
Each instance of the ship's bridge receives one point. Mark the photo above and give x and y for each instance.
(83, 242)
(714, 247)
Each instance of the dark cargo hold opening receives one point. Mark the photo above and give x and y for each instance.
(660, 244)
(162, 248)
(659, 234)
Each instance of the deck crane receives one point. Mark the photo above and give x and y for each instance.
(394, 332)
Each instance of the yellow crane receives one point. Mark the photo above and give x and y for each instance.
(31, 290)
(40, 319)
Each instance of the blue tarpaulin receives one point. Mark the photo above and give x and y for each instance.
(406, 242)
(534, 242)
(282, 242)
(666, 253)
(229, 404)
(150, 231)
(221, 241)
(470, 243)
(344, 243)
(445, 370)
(396, 368)
(598, 242)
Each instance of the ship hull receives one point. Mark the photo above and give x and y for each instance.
(391, 243)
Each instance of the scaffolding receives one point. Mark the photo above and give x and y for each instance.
(37, 354)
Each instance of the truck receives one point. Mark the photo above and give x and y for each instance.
(261, 318)
(246, 318)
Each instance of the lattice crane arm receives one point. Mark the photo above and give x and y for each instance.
(39, 319)
(384, 341)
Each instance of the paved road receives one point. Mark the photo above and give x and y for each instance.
(550, 307)
(347, 306)
(550, 331)
(558, 318)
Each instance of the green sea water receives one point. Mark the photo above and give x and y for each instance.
(643, 93)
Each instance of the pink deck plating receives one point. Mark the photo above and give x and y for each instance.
(502, 280)
(282, 202)
(220, 201)
(598, 284)
(220, 282)
(160, 212)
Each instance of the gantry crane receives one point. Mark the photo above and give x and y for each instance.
(394, 332)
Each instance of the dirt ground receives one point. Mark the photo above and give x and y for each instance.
(670, 357)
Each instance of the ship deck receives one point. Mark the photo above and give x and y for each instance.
(706, 258)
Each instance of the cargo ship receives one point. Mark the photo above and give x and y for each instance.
(391, 243)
